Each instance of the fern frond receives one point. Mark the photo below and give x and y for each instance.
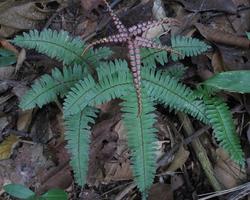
(222, 123)
(46, 89)
(61, 46)
(176, 71)
(141, 139)
(150, 57)
(109, 68)
(88, 92)
(187, 46)
(168, 91)
(78, 137)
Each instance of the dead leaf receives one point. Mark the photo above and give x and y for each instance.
(217, 62)
(21, 16)
(211, 5)
(20, 59)
(221, 37)
(90, 5)
(161, 191)
(5, 44)
(176, 182)
(6, 73)
(179, 160)
(235, 58)
(24, 120)
(6, 147)
(227, 172)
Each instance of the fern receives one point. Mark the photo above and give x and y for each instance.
(141, 139)
(78, 137)
(61, 46)
(150, 57)
(221, 120)
(83, 91)
(46, 89)
(167, 90)
(187, 46)
(177, 71)
(88, 92)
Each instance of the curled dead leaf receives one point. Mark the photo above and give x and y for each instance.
(7, 146)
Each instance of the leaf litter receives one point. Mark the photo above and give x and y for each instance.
(34, 154)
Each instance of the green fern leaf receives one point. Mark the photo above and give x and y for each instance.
(109, 68)
(61, 46)
(187, 46)
(46, 89)
(168, 91)
(177, 71)
(141, 139)
(150, 57)
(78, 137)
(248, 35)
(7, 57)
(88, 92)
(221, 120)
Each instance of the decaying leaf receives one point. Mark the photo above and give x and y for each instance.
(24, 119)
(6, 72)
(20, 59)
(227, 6)
(161, 191)
(221, 37)
(89, 5)
(6, 147)
(227, 172)
(217, 62)
(179, 160)
(21, 16)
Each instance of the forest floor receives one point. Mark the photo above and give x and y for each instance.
(32, 145)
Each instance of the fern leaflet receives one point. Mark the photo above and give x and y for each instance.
(141, 139)
(78, 137)
(187, 46)
(61, 46)
(88, 92)
(150, 57)
(46, 89)
(168, 91)
(221, 120)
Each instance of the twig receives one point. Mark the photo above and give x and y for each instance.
(245, 191)
(200, 152)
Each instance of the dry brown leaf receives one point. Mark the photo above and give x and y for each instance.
(176, 182)
(221, 37)
(89, 5)
(5, 44)
(20, 59)
(21, 16)
(217, 62)
(6, 73)
(161, 191)
(180, 158)
(211, 5)
(6, 147)
(227, 172)
(24, 120)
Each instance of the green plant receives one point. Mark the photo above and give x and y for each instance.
(22, 192)
(7, 57)
(82, 90)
